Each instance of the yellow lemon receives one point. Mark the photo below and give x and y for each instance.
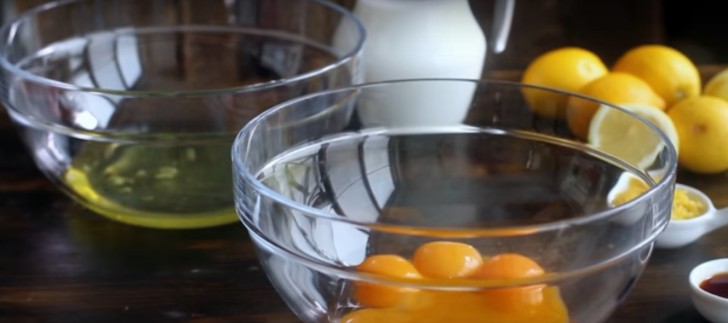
(718, 85)
(670, 73)
(702, 126)
(567, 69)
(628, 138)
(615, 88)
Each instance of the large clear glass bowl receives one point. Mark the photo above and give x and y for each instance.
(324, 181)
(131, 106)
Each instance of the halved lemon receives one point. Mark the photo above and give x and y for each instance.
(621, 135)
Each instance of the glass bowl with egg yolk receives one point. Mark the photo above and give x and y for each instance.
(502, 217)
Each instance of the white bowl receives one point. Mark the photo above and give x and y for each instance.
(679, 233)
(712, 307)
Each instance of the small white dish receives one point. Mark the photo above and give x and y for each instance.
(712, 307)
(679, 233)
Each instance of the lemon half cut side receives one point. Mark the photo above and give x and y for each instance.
(629, 139)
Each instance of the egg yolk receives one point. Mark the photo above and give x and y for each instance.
(512, 266)
(379, 295)
(445, 259)
(509, 266)
(369, 315)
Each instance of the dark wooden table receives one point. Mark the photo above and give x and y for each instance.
(61, 263)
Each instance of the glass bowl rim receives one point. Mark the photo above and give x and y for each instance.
(8, 34)
(445, 284)
(241, 170)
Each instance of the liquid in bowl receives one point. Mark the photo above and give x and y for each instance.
(134, 117)
(319, 201)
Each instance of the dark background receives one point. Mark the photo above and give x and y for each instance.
(606, 27)
(698, 28)
(609, 28)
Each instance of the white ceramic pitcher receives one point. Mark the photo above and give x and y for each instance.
(424, 39)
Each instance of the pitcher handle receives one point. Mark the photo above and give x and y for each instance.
(503, 17)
